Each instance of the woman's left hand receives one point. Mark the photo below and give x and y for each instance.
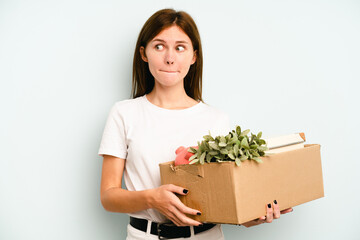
(272, 212)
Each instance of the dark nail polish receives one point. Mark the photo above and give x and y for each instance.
(185, 191)
(275, 201)
(269, 205)
(198, 213)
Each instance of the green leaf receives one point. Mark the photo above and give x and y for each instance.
(241, 152)
(253, 146)
(222, 139)
(246, 132)
(256, 154)
(238, 130)
(234, 135)
(231, 156)
(213, 153)
(227, 137)
(222, 144)
(202, 158)
(258, 160)
(192, 150)
(263, 148)
(192, 157)
(244, 143)
(205, 146)
(237, 161)
(259, 135)
(224, 151)
(194, 161)
(208, 158)
(208, 138)
(236, 150)
(252, 137)
(214, 146)
(243, 158)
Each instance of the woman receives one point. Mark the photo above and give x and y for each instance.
(167, 111)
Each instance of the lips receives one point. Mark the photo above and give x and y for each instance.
(168, 71)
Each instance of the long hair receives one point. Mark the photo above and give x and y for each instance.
(142, 80)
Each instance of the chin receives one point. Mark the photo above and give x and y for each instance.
(170, 81)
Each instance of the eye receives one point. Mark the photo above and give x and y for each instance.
(180, 48)
(159, 47)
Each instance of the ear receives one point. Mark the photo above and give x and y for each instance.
(143, 55)
(194, 57)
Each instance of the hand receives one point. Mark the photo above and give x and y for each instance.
(271, 213)
(166, 202)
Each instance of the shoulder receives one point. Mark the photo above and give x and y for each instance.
(127, 108)
(127, 105)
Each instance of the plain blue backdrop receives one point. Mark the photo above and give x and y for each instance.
(275, 66)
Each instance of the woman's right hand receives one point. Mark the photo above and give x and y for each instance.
(166, 202)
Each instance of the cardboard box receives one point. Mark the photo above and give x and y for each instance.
(226, 193)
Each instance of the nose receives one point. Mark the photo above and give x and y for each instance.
(169, 58)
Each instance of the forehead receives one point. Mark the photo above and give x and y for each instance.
(173, 33)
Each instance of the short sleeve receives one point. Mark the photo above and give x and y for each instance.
(113, 140)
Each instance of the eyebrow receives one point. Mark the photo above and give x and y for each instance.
(160, 40)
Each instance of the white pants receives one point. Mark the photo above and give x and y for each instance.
(215, 233)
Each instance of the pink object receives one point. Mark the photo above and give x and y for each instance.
(182, 155)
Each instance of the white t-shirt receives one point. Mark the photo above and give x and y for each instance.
(146, 135)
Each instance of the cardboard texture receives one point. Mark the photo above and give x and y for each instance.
(226, 193)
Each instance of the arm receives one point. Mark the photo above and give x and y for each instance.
(113, 197)
(163, 198)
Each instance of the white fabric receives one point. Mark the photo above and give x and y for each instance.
(214, 233)
(146, 135)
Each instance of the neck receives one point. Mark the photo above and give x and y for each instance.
(175, 98)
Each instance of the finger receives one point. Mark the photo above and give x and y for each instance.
(262, 219)
(176, 189)
(184, 220)
(171, 213)
(269, 213)
(184, 209)
(174, 219)
(286, 210)
(276, 210)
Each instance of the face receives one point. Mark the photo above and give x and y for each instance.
(169, 55)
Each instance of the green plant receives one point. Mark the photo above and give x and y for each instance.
(236, 146)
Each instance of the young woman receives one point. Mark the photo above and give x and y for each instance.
(166, 111)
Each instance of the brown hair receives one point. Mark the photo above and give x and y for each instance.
(142, 80)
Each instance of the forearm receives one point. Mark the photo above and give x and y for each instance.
(124, 201)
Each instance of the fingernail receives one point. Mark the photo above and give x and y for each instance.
(269, 205)
(198, 213)
(185, 191)
(275, 201)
